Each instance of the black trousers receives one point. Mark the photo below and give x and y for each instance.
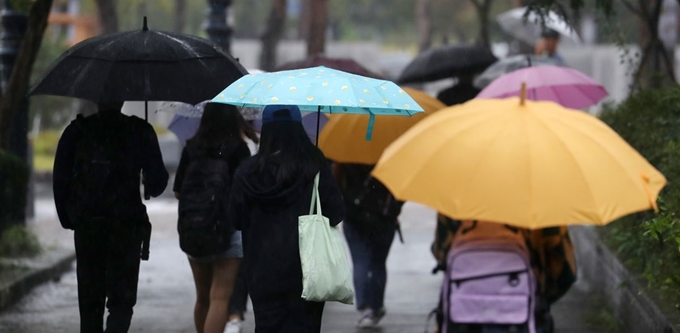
(108, 257)
(290, 316)
(239, 297)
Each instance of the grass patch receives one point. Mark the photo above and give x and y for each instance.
(17, 241)
(43, 163)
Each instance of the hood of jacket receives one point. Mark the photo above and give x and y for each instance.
(263, 187)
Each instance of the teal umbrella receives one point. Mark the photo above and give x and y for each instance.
(321, 89)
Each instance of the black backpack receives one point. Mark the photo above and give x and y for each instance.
(374, 208)
(203, 201)
(105, 182)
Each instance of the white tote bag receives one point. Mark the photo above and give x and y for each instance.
(326, 274)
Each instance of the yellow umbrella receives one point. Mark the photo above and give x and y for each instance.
(529, 164)
(342, 138)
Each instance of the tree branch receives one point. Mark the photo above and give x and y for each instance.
(19, 80)
(633, 9)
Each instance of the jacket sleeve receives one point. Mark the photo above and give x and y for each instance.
(237, 210)
(181, 169)
(155, 174)
(63, 173)
(332, 204)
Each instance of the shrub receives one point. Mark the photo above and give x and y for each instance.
(14, 176)
(649, 243)
(18, 241)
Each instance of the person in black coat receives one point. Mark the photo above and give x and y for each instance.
(96, 192)
(459, 93)
(270, 191)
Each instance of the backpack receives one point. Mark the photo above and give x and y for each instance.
(203, 200)
(489, 280)
(374, 208)
(105, 180)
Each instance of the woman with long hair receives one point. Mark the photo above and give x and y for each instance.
(219, 139)
(270, 191)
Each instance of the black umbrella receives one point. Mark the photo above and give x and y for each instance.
(446, 62)
(142, 65)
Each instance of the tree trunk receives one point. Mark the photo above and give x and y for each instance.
(272, 34)
(19, 80)
(424, 25)
(483, 8)
(656, 68)
(108, 17)
(305, 18)
(316, 41)
(180, 16)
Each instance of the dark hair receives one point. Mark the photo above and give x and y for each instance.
(220, 124)
(285, 146)
(550, 34)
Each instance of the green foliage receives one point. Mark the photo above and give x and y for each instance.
(649, 243)
(21, 5)
(44, 149)
(18, 241)
(13, 189)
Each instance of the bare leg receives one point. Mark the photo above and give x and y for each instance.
(203, 275)
(224, 276)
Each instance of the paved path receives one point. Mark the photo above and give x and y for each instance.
(166, 291)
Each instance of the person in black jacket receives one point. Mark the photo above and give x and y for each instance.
(270, 191)
(369, 228)
(96, 191)
(220, 136)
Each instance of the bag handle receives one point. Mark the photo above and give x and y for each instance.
(315, 197)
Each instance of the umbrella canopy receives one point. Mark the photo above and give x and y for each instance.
(446, 62)
(139, 66)
(565, 86)
(345, 65)
(321, 89)
(531, 164)
(184, 127)
(341, 141)
(509, 65)
(529, 29)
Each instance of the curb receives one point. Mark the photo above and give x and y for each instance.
(607, 276)
(50, 267)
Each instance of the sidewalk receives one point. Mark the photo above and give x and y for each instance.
(166, 289)
(20, 276)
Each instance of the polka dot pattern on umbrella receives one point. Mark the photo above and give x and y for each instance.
(320, 88)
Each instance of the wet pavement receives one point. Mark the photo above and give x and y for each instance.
(166, 290)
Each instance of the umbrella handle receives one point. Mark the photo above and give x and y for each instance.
(523, 94)
(318, 119)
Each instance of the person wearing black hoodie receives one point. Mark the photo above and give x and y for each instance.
(270, 191)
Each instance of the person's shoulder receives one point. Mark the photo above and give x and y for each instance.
(138, 123)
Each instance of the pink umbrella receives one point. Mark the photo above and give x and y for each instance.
(565, 86)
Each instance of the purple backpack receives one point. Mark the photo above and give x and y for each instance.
(489, 280)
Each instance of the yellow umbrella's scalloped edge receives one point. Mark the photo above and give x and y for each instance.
(652, 195)
(651, 187)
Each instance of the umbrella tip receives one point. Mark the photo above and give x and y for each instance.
(145, 27)
(523, 93)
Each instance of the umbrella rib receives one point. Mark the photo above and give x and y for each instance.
(592, 139)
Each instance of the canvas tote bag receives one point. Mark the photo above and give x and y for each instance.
(326, 274)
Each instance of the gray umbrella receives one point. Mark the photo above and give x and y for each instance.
(512, 64)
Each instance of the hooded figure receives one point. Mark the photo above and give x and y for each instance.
(270, 191)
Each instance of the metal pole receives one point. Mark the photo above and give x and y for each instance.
(216, 24)
(318, 120)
